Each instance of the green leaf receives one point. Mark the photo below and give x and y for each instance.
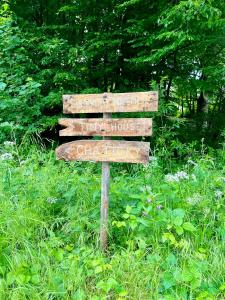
(79, 295)
(10, 278)
(123, 293)
(35, 279)
(98, 269)
(179, 213)
(2, 86)
(189, 227)
(187, 276)
(178, 221)
(133, 224)
(128, 209)
(171, 259)
(179, 230)
(168, 281)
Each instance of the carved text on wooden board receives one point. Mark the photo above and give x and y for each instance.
(106, 127)
(120, 102)
(107, 150)
(111, 151)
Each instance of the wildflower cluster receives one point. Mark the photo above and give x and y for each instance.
(176, 177)
(6, 156)
(52, 200)
(195, 199)
(154, 161)
(218, 194)
(8, 143)
(191, 162)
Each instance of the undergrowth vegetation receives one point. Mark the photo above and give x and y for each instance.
(166, 228)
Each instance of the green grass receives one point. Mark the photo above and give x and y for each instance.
(166, 238)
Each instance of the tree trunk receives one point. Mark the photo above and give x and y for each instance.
(168, 89)
(202, 103)
(203, 108)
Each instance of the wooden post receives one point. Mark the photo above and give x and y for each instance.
(105, 198)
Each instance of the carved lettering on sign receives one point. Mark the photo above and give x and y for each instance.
(104, 151)
(106, 127)
(110, 102)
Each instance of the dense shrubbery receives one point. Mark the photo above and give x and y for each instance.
(54, 47)
(30, 100)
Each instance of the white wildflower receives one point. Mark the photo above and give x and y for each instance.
(146, 188)
(6, 156)
(193, 177)
(195, 199)
(8, 143)
(149, 200)
(182, 175)
(171, 178)
(176, 177)
(206, 211)
(52, 200)
(154, 161)
(191, 162)
(7, 124)
(142, 188)
(153, 158)
(218, 194)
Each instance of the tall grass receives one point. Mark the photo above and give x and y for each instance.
(166, 232)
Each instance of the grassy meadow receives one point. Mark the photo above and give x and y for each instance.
(166, 228)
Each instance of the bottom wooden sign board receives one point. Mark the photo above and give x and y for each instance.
(104, 151)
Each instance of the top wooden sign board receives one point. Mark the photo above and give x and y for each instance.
(110, 102)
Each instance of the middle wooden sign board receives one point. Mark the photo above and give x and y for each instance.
(107, 150)
(106, 127)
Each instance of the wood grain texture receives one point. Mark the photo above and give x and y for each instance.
(106, 127)
(104, 151)
(105, 197)
(110, 102)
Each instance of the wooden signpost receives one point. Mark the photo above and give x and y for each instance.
(107, 150)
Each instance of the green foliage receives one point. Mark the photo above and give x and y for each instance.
(54, 47)
(166, 219)
(25, 102)
(166, 230)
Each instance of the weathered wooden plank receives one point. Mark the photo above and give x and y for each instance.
(106, 127)
(104, 150)
(109, 102)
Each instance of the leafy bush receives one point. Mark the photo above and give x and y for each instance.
(51, 48)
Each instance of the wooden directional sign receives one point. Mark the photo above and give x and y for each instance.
(106, 127)
(107, 150)
(108, 102)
